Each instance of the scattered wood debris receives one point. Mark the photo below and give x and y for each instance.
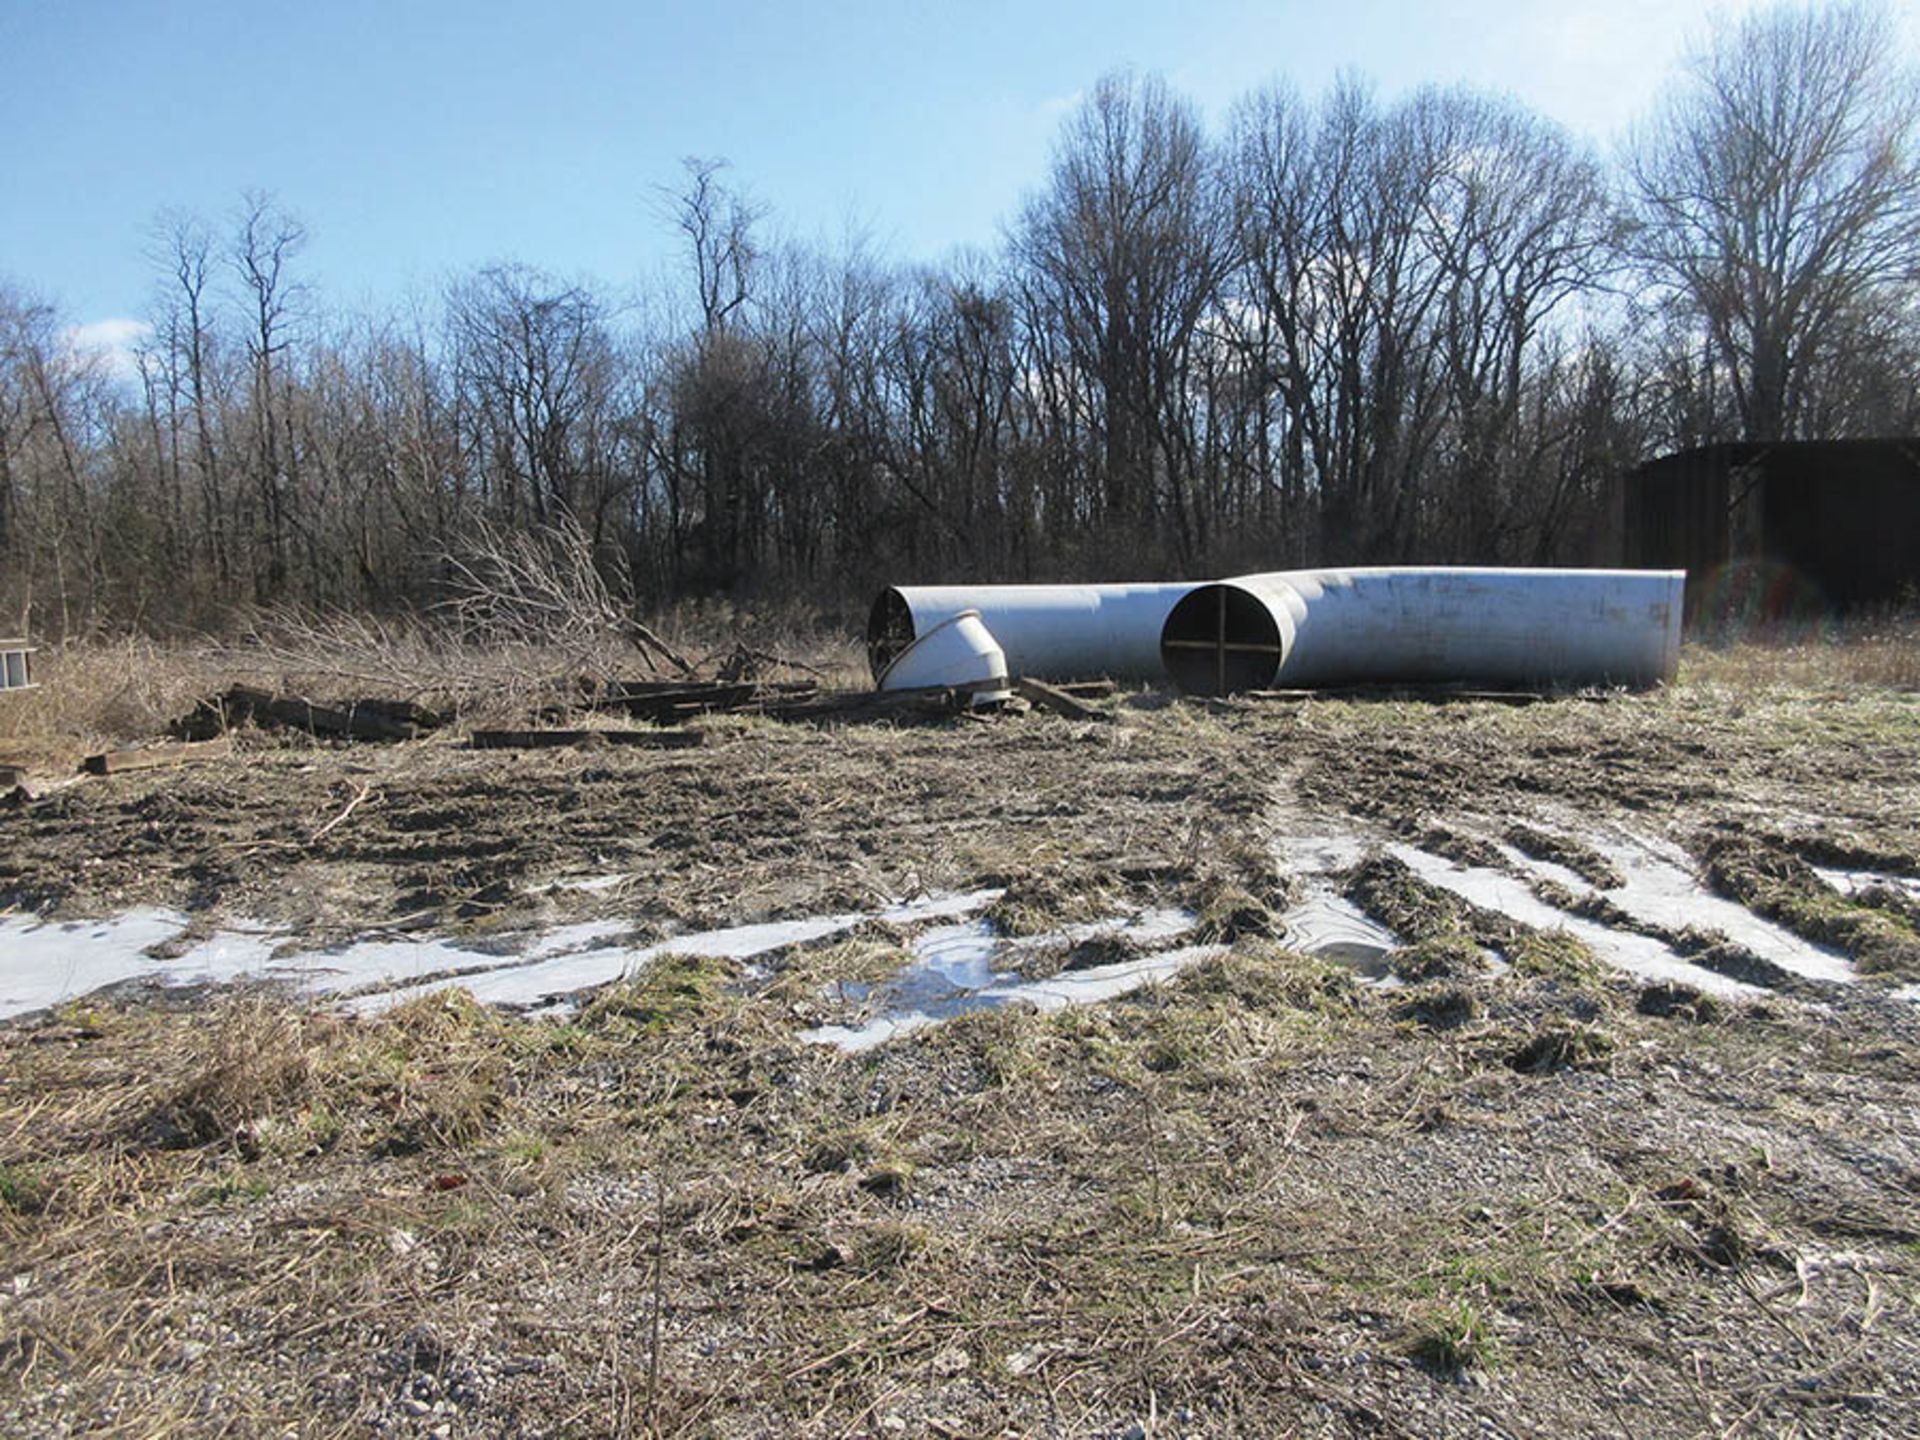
(669, 702)
(366, 719)
(666, 703)
(852, 707)
(674, 703)
(559, 739)
(156, 757)
(1428, 694)
(1057, 699)
(745, 663)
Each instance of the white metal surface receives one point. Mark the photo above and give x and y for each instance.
(957, 653)
(1415, 624)
(1059, 632)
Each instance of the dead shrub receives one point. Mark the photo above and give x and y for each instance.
(257, 1058)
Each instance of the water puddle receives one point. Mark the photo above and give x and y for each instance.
(959, 962)
(959, 965)
(1319, 856)
(1639, 955)
(46, 963)
(962, 968)
(542, 980)
(1323, 922)
(1329, 926)
(383, 961)
(959, 968)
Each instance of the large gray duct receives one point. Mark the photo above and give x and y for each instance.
(1059, 632)
(1425, 625)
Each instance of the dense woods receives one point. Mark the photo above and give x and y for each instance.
(1343, 328)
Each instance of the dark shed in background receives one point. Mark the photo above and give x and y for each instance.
(1782, 527)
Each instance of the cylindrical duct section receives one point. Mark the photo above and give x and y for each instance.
(954, 655)
(1059, 632)
(1425, 625)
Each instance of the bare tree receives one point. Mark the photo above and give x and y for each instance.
(717, 222)
(1126, 248)
(721, 384)
(187, 354)
(1516, 220)
(266, 243)
(1779, 198)
(532, 361)
(52, 438)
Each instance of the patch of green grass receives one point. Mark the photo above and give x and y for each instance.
(23, 1190)
(522, 1147)
(232, 1187)
(1465, 1273)
(674, 990)
(1452, 1337)
(1439, 957)
(1554, 955)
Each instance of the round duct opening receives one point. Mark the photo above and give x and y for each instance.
(1219, 639)
(889, 630)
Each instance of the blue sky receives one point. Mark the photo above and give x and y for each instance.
(417, 140)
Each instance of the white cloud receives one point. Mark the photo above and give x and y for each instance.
(113, 342)
(1057, 107)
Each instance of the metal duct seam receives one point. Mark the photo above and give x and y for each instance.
(1425, 625)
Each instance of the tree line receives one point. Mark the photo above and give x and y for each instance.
(1339, 329)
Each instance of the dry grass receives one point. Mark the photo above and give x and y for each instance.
(1880, 651)
(1253, 1201)
(101, 694)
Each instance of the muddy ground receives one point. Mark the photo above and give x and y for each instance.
(1517, 1191)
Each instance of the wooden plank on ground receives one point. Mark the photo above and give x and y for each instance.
(668, 703)
(404, 712)
(356, 723)
(560, 739)
(858, 706)
(1050, 697)
(155, 757)
(1429, 694)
